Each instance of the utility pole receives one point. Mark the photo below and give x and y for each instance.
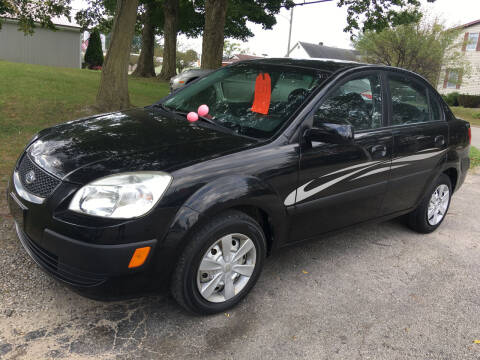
(291, 19)
(290, 32)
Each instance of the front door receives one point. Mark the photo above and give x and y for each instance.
(343, 184)
(420, 141)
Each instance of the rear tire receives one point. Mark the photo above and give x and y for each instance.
(432, 210)
(220, 264)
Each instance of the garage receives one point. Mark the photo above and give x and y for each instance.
(45, 47)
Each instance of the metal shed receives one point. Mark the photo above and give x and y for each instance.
(44, 47)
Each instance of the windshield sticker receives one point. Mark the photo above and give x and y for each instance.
(263, 91)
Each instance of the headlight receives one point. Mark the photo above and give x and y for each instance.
(121, 196)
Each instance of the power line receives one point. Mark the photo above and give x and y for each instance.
(310, 2)
(291, 18)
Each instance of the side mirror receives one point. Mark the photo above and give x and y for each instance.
(330, 133)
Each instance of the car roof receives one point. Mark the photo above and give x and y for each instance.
(331, 66)
(327, 65)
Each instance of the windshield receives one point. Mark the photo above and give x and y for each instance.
(251, 99)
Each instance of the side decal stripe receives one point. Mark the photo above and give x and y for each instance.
(300, 194)
(352, 167)
(379, 170)
(418, 156)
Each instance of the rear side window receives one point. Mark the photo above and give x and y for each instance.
(357, 102)
(409, 101)
(436, 109)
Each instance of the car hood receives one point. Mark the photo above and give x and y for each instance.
(132, 140)
(192, 73)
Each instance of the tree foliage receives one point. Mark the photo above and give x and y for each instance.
(186, 59)
(261, 12)
(231, 48)
(97, 15)
(377, 15)
(29, 13)
(94, 53)
(421, 47)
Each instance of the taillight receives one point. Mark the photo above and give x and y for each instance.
(470, 136)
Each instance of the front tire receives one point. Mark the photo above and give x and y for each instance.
(220, 264)
(431, 212)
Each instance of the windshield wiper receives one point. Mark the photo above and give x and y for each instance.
(163, 107)
(184, 113)
(204, 119)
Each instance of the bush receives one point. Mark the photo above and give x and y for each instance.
(94, 53)
(451, 99)
(469, 101)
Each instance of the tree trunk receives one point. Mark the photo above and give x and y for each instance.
(169, 66)
(145, 64)
(113, 92)
(213, 33)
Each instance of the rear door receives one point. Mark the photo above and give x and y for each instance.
(343, 184)
(420, 135)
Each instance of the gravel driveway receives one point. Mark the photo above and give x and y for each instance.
(375, 292)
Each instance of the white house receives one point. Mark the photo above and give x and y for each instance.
(44, 47)
(304, 50)
(451, 79)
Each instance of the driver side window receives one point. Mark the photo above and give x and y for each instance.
(358, 102)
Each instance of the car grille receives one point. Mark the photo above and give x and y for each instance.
(44, 183)
(50, 263)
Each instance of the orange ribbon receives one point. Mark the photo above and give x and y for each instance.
(263, 92)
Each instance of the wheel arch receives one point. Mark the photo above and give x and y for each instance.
(452, 173)
(263, 219)
(247, 194)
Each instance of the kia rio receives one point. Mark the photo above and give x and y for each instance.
(193, 192)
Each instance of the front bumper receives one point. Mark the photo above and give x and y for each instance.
(91, 255)
(79, 264)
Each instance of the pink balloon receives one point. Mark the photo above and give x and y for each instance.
(203, 110)
(192, 116)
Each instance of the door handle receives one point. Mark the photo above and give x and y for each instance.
(380, 150)
(439, 141)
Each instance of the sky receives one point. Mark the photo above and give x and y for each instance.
(324, 22)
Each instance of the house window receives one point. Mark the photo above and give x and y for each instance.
(452, 79)
(472, 42)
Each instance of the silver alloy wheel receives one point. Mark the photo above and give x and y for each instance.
(226, 267)
(437, 207)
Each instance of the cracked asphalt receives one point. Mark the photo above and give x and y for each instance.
(374, 292)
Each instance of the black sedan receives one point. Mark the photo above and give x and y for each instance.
(195, 191)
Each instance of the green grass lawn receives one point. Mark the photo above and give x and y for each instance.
(33, 97)
(474, 157)
(469, 114)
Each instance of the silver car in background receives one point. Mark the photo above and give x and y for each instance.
(186, 77)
